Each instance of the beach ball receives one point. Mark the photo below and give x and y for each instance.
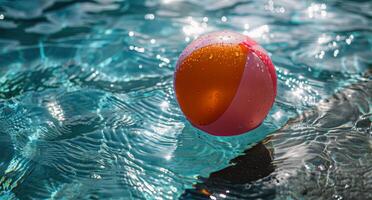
(225, 83)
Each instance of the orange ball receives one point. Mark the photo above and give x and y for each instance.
(225, 83)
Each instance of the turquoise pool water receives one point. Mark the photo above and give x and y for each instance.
(87, 109)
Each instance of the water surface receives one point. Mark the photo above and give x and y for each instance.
(87, 108)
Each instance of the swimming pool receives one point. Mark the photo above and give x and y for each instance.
(87, 109)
